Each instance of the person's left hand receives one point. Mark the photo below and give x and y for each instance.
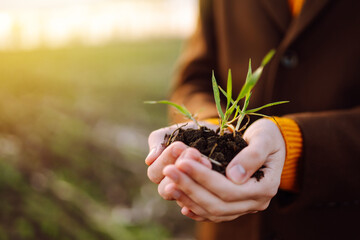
(204, 194)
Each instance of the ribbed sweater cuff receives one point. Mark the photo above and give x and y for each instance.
(215, 121)
(293, 141)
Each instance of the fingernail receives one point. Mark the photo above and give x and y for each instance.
(237, 173)
(149, 158)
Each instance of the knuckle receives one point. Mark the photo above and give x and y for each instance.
(276, 183)
(270, 189)
(272, 192)
(263, 206)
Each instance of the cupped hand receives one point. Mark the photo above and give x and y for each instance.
(159, 156)
(204, 194)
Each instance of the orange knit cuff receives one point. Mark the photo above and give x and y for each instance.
(215, 121)
(293, 141)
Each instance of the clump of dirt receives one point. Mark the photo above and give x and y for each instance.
(220, 148)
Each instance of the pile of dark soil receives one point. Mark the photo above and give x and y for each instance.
(220, 148)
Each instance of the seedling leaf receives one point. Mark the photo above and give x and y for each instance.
(265, 106)
(249, 73)
(258, 114)
(181, 109)
(229, 89)
(217, 96)
(268, 57)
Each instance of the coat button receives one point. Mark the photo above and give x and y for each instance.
(290, 59)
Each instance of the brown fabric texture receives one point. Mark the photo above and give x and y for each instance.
(316, 68)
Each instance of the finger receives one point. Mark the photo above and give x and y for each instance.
(187, 212)
(155, 141)
(157, 138)
(190, 153)
(213, 205)
(182, 200)
(249, 196)
(168, 156)
(262, 191)
(194, 154)
(191, 189)
(165, 188)
(249, 160)
(198, 213)
(211, 180)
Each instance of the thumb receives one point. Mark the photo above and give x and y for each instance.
(246, 163)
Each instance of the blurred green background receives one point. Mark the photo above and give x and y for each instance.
(73, 125)
(73, 139)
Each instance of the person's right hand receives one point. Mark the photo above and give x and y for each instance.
(159, 157)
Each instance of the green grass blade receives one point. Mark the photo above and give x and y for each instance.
(229, 89)
(249, 85)
(249, 73)
(237, 107)
(252, 78)
(230, 111)
(217, 96)
(268, 57)
(258, 114)
(233, 106)
(247, 100)
(256, 75)
(182, 109)
(224, 93)
(266, 106)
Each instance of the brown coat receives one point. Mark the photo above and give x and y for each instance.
(316, 68)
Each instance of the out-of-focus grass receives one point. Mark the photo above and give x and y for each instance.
(73, 138)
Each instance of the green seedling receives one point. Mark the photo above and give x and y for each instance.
(233, 114)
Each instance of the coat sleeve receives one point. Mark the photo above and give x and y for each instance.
(330, 163)
(192, 83)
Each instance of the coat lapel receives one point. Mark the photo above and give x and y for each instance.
(292, 30)
(310, 10)
(279, 13)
